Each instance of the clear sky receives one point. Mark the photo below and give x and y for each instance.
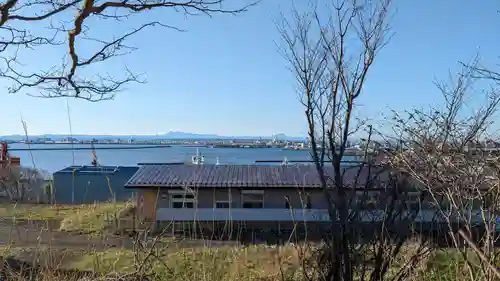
(225, 75)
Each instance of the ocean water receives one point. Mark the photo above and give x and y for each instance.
(54, 160)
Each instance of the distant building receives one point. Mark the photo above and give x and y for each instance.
(87, 184)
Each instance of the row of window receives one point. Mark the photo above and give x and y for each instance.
(370, 200)
(249, 201)
(256, 201)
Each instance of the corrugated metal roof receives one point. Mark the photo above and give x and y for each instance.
(225, 176)
(94, 169)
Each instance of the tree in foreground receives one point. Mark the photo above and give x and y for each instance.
(40, 26)
(450, 152)
(330, 50)
(23, 185)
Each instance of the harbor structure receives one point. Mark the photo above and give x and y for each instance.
(89, 184)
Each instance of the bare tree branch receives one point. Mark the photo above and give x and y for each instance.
(330, 57)
(69, 79)
(444, 155)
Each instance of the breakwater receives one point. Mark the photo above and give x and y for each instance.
(111, 147)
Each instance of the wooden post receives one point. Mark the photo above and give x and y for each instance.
(133, 222)
(279, 234)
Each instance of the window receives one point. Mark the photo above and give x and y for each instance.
(305, 200)
(413, 201)
(287, 202)
(180, 205)
(222, 205)
(182, 196)
(181, 200)
(367, 200)
(252, 200)
(308, 204)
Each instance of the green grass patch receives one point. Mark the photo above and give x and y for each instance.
(95, 218)
(51, 212)
(38, 212)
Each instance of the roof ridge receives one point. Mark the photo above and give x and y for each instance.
(211, 175)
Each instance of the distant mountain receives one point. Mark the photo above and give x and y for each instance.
(283, 137)
(193, 136)
(173, 135)
(183, 136)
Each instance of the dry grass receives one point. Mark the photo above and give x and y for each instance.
(50, 212)
(173, 261)
(95, 218)
(88, 218)
(225, 263)
(38, 212)
(170, 262)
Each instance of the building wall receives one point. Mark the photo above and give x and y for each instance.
(273, 198)
(147, 203)
(153, 198)
(91, 184)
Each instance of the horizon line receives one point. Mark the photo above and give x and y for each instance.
(139, 134)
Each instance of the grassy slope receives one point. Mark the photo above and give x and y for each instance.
(217, 264)
(94, 219)
(89, 218)
(51, 212)
(176, 263)
(225, 263)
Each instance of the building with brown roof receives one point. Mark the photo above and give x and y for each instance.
(217, 197)
(243, 192)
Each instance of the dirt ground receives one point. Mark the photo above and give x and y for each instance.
(45, 233)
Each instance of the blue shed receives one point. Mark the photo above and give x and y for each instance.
(87, 184)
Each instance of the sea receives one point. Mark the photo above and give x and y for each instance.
(51, 160)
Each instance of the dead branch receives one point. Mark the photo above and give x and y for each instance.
(445, 155)
(330, 57)
(20, 20)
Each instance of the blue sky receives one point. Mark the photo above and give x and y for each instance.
(225, 75)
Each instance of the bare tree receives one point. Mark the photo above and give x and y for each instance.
(330, 57)
(445, 152)
(22, 23)
(22, 184)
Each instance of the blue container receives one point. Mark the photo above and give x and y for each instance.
(89, 184)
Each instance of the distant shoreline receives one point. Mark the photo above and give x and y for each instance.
(97, 145)
(90, 148)
(88, 143)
